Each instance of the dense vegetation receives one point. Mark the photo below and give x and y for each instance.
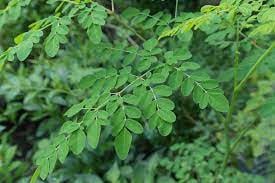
(135, 91)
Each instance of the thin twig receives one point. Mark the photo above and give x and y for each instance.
(113, 5)
(176, 8)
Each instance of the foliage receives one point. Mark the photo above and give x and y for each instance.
(10, 169)
(88, 77)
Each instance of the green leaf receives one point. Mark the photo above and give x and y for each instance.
(113, 174)
(197, 94)
(187, 87)
(132, 112)
(130, 13)
(45, 166)
(209, 84)
(69, 127)
(52, 161)
(267, 16)
(89, 117)
(77, 141)
(150, 44)
(163, 90)
(123, 143)
(175, 79)
(246, 9)
(200, 76)
(87, 81)
(51, 45)
(149, 109)
(151, 22)
(131, 99)
(158, 78)
(204, 100)
(170, 58)
(189, 66)
(62, 29)
(140, 17)
(122, 79)
(218, 102)
(167, 115)
(153, 121)
(134, 126)
(165, 104)
(128, 59)
(19, 39)
(90, 102)
(2, 61)
(111, 107)
(110, 83)
(145, 63)
(93, 134)
(165, 128)
(267, 110)
(63, 151)
(95, 33)
(74, 109)
(101, 114)
(118, 121)
(23, 50)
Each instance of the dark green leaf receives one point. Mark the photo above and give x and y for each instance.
(167, 115)
(187, 87)
(77, 141)
(93, 134)
(123, 143)
(134, 126)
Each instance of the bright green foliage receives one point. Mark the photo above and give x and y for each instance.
(59, 29)
(201, 162)
(121, 98)
(24, 46)
(15, 168)
(12, 11)
(256, 16)
(91, 18)
(122, 143)
(137, 80)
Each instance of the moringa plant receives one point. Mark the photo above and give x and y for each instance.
(132, 88)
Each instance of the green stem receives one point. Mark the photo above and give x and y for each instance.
(254, 67)
(113, 5)
(235, 95)
(236, 91)
(237, 56)
(176, 8)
